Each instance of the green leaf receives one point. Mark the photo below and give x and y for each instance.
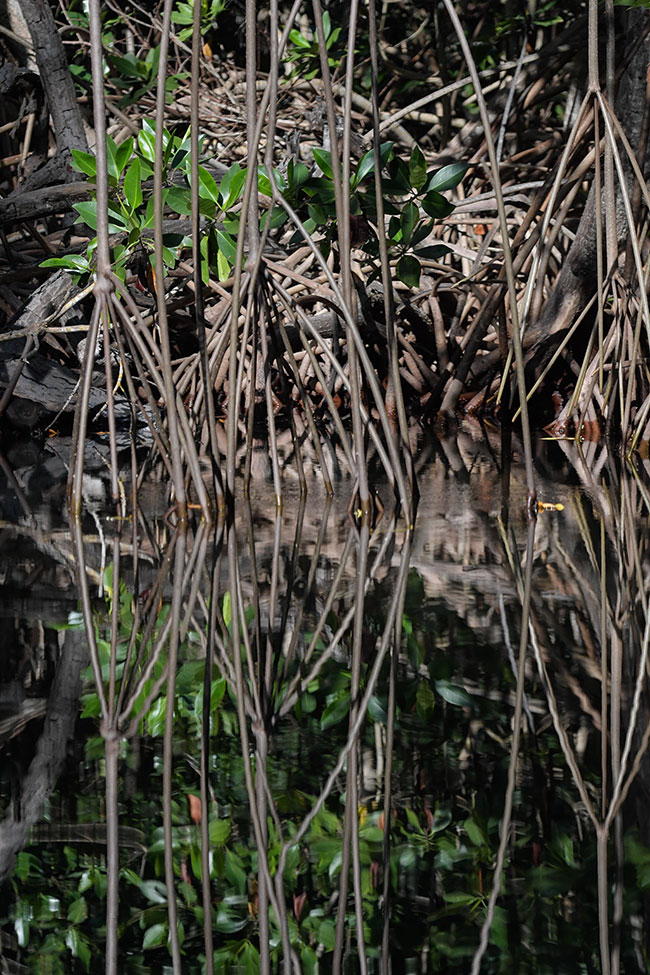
(235, 872)
(459, 897)
(409, 218)
(417, 168)
(275, 218)
(264, 181)
(441, 819)
(297, 174)
(155, 936)
(207, 185)
(84, 162)
(323, 160)
(475, 832)
(227, 246)
(377, 710)
(298, 39)
(79, 947)
(408, 270)
(367, 162)
(231, 186)
(129, 65)
(327, 935)
(421, 232)
(436, 205)
(317, 214)
(229, 921)
(453, 694)
(425, 700)
(223, 267)
(251, 958)
(399, 183)
(169, 257)
(178, 199)
(448, 177)
(337, 707)
(147, 142)
(133, 185)
(111, 159)
(155, 719)
(87, 211)
(432, 252)
(219, 830)
(78, 910)
(76, 263)
(123, 154)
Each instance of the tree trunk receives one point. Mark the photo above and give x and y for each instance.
(59, 90)
(577, 280)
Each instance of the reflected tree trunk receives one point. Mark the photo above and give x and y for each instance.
(44, 770)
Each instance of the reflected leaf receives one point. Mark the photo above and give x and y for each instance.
(337, 707)
(377, 710)
(154, 936)
(327, 934)
(453, 694)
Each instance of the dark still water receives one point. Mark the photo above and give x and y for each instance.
(328, 792)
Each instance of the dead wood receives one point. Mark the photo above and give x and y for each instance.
(25, 205)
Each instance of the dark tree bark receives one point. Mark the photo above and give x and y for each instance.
(42, 774)
(577, 280)
(59, 90)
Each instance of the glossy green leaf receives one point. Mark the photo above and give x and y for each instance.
(122, 155)
(323, 158)
(75, 263)
(219, 831)
(226, 609)
(432, 252)
(223, 267)
(227, 246)
(459, 897)
(79, 947)
(87, 211)
(408, 270)
(264, 181)
(78, 910)
(436, 205)
(417, 168)
(178, 199)
(147, 140)
(337, 708)
(327, 935)
(155, 936)
(377, 710)
(453, 694)
(366, 164)
(475, 832)
(133, 184)
(84, 162)
(409, 218)
(231, 186)
(207, 185)
(441, 819)
(448, 177)
(111, 159)
(425, 700)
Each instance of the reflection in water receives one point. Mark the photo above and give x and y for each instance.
(328, 791)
